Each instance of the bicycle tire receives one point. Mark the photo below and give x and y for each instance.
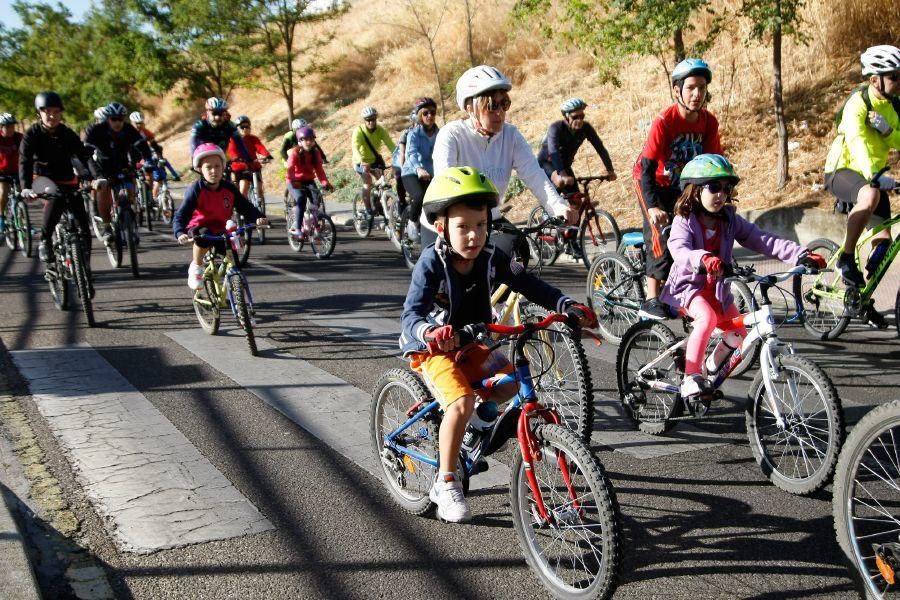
(362, 225)
(411, 249)
(615, 294)
(896, 312)
(824, 414)
(825, 318)
(324, 238)
(578, 554)
(81, 281)
(652, 411)
(115, 250)
(26, 238)
(391, 204)
(563, 379)
(549, 253)
(206, 306)
(148, 205)
(407, 480)
(598, 234)
(167, 208)
(11, 233)
(242, 310)
(867, 494)
(59, 285)
(247, 239)
(261, 205)
(130, 234)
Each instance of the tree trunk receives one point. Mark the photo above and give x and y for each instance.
(437, 77)
(678, 42)
(469, 34)
(780, 125)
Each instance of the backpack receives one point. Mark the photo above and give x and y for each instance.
(864, 91)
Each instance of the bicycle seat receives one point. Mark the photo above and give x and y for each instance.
(633, 238)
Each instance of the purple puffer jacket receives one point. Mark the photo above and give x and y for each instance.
(686, 246)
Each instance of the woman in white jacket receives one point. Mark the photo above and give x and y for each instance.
(485, 141)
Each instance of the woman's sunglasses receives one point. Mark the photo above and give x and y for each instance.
(428, 113)
(495, 104)
(715, 187)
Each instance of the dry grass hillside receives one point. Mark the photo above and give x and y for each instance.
(374, 60)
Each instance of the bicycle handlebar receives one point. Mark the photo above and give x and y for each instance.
(471, 333)
(510, 228)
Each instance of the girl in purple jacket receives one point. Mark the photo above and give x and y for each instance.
(704, 230)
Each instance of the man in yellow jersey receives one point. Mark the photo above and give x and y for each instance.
(367, 161)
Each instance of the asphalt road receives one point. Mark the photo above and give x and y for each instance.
(696, 524)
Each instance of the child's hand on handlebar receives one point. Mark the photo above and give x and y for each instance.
(812, 260)
(262, 222)
(713, 265)
(184, 238)
(581, 313)
(443, 339)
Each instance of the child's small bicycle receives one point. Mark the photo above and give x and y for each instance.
(564, 509)
(794, 417)
(224, 282)
(317, 223)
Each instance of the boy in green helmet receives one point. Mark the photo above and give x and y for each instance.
(451, 288)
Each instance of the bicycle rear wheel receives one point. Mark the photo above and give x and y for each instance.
(547, 244)
(408, 480)
(652, 410)
(391, 206)
(361, 223)
(866, 502)
(822, 295)
(576, 552)
(598, 234)
(798, 457)
(324, 237)
(615, 294)
(562, 376)
(79, 269)
(243, 311)
(206, 307)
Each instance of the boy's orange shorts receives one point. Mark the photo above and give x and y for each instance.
(450, 380)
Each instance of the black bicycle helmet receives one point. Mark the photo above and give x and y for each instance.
(48, 99)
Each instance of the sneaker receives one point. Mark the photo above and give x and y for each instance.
(653, 309)
(876, 319)
(851, 274)
(450, 501)
(195, 276)
(691, 386)
(107, 234)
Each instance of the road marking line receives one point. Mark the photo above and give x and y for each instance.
(136, 468)
(324, 405)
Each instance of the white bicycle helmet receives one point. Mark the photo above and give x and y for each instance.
(479, 80)
(7, 119)
(298, 123)
(368, 112)
(879, 60)
(100, 113)
(136, 117)
(216, 104)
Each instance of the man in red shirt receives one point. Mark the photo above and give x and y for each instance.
(681, 132)
(242, 172)
(9, 161)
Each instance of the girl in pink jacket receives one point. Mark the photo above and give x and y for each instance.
(304, 166)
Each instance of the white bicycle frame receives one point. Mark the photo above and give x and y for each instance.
(763, 327)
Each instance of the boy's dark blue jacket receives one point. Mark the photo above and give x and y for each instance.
(435, 291)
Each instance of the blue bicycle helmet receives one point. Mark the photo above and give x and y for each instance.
(216, 104)
(571, 105)
(689, 67)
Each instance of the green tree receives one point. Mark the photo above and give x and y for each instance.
(613, 30)
(277, 26)
(771, 20)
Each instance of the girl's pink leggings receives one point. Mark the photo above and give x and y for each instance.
(705, 319)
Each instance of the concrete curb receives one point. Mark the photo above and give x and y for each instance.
(799, 224)
(17, 578)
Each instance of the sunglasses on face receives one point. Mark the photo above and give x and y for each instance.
(371, 120)
(715, 187)
(117, 119)
(428, 113)
(576, 117)
(498, 103)
(217, 113)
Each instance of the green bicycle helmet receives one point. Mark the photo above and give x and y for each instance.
(456, 185)
(705, 168)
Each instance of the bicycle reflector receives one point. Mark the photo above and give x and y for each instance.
(884, 565)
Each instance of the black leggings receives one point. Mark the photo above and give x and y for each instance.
(415, 187)
(53, 210)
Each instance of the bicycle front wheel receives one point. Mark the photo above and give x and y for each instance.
(575, 551)
(614, 294)
(825, 316)
(323, 238)
(23, 228)
(598, 234)
(130, 232)
(79, 269)
(361, 222)
(866, 501)
(290, 222)
(241, 298)
(391, 205)
(59, 286)
(167, 207)
(651, 408)
(410, 247)
(561, 373)
(408, 479)
(799, 455)
(11, 233)
(261, 204)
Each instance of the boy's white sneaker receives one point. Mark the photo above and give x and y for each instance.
(451, 503)
(690, 386)
(195, 276)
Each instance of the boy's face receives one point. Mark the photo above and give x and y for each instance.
(212, 169)
(467, 229)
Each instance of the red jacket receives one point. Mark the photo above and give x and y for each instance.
(254, 147)
(9, 154)
(304, 166)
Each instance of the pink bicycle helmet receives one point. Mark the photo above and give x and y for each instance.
(204, 150)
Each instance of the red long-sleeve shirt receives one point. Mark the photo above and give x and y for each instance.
(254, 147)
(304, 166)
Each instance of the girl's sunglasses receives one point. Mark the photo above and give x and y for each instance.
(715, 187)
(428, 113)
